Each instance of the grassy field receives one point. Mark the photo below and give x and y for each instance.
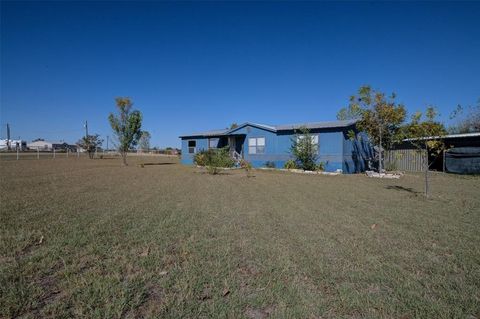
(90, 238)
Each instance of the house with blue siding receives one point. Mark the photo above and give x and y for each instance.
(260, 143)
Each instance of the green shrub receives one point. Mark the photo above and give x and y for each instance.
(220, 158)
(304, 149)
(320, 166)
(213, 159)
(270, 164)
(290, 164)
(200, 158)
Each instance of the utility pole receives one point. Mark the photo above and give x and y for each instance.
(8, 137)
(86, 129)
(107, 143)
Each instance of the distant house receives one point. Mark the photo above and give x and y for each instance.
(259, 143)
(14, 145)
(50, 146)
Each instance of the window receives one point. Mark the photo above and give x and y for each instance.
(213, 142)
(191, 146)
(256, 145)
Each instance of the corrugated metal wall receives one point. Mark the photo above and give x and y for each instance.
(411, 160)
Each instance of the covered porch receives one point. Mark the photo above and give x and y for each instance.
(233, 142)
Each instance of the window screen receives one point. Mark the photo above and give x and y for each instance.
(256, 145)
(191, 146)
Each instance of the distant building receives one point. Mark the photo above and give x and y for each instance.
(50, 146)
(14, 145)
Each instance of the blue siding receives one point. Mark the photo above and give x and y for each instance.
(202, 144)
(356, 153)
(331, 150)
(273, 150)
(336, 150)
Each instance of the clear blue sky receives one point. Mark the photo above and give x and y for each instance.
(191, 66)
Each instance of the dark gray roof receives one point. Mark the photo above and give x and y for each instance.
(275, 128)
(314, 125)
(209, 133)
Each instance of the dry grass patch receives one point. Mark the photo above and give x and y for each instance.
(94, 239)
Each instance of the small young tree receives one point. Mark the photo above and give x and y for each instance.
(90, 143)
(126, 125)
(305, 149)
(144, 142)
(247, 166)
(379, 116)
(426, 135)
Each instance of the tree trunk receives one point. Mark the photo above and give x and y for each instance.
(380, 166)
(124, 158)
(426, 172)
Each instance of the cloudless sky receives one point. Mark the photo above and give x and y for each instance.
(192, 66)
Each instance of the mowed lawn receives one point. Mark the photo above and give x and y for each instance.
(93, 239)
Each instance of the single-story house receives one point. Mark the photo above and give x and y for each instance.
(260, 143)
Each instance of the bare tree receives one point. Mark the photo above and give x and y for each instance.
(427, 136)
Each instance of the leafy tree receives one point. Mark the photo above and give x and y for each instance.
(425, 133)
(90, 143)
(126, 125)
(304, 149)
(352, 112)
(469, 119)
(144, 141)
(378, 115)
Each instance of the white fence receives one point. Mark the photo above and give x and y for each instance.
(61, 154)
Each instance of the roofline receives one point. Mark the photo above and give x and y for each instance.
(274, 129)
(442, 137)
(261, 126)
(293, 127)
(229, 131)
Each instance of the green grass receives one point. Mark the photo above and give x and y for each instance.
(93, 239)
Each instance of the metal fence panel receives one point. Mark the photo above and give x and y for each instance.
(411, 160)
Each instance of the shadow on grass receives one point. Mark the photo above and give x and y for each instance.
(218, 173)
(146, 164)
(404, 189)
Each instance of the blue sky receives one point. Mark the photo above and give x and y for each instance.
(190, 66)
